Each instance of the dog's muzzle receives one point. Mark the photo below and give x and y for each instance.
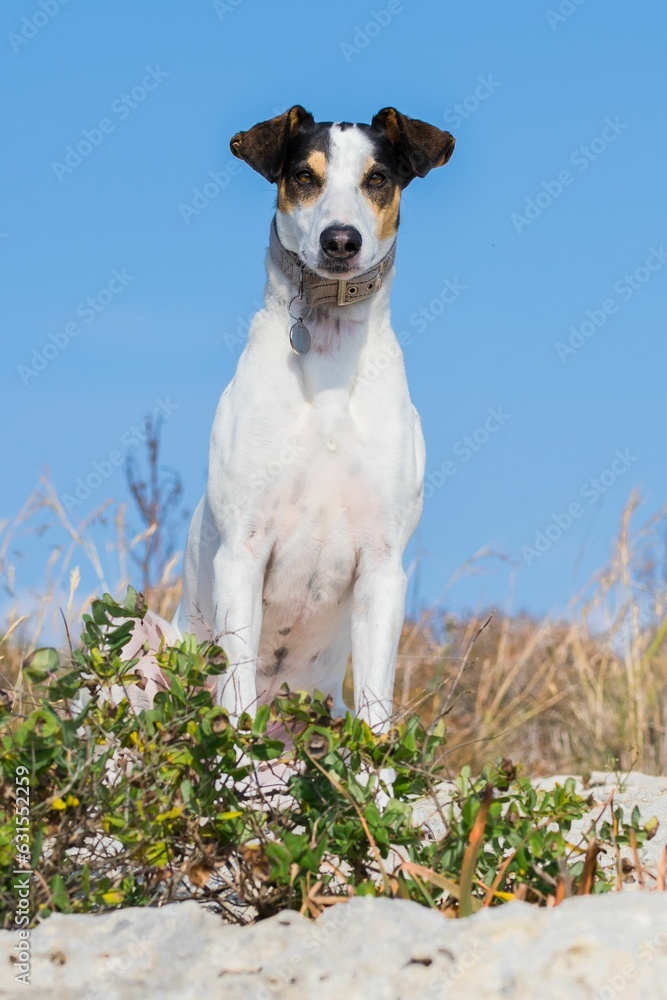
(315, 290)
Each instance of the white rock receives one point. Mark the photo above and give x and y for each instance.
(611, 947)
(591, 948)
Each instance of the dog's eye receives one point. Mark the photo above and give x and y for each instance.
(377, 179)
(304, 177)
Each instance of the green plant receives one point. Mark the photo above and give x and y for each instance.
(134, 807)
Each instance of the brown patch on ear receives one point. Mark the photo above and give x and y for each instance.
(263, 146)
(388, 119)
(419, 146)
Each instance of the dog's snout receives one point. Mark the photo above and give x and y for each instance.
(340, 242)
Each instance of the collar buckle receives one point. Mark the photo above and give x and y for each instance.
(315, 290)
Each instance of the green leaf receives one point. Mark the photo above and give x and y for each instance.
(99, 614)
(266, 750)
(261, 720)
(59, 894)
(40, 664)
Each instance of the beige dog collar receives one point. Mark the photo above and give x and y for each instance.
(315, 290)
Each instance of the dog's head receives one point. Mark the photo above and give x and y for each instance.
(339, 185)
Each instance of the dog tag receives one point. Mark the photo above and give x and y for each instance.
(299, 338)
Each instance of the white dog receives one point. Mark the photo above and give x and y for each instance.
(316, 462)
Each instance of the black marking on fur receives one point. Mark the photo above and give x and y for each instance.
(407, 146)
(275, 667)
(285, 631)
(297, 488)
(310, 138)
(314, 589)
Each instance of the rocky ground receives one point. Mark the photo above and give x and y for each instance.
(591, 948)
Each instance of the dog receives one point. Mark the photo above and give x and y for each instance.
(294, 556)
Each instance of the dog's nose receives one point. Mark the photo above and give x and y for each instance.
(340, 241)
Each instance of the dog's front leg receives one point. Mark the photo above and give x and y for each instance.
(238, 582)
(377, 619)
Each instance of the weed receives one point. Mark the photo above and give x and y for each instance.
(141, 806)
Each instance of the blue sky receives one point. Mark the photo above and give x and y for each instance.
(531, 270)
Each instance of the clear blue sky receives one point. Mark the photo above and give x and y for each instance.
(566, 111)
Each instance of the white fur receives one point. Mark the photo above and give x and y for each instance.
(316, 468)
(342, 201)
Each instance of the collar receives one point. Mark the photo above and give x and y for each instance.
(316, 290)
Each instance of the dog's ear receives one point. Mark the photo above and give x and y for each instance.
(264, 146)
(419, 146)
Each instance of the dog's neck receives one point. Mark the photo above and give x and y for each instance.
(333, 326)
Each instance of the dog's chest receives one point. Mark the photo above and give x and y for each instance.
(320, 503)
(322, 507)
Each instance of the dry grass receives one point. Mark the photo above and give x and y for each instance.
(557, 695)
(85, 549)
(575, 695)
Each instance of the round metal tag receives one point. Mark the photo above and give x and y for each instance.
(299, 338)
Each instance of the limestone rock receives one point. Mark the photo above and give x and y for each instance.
(611, 947)
(367, 949)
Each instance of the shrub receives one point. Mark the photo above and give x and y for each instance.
(136, 807)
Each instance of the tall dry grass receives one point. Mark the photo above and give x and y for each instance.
(585, 693)
(111, 547)
(573, 694)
